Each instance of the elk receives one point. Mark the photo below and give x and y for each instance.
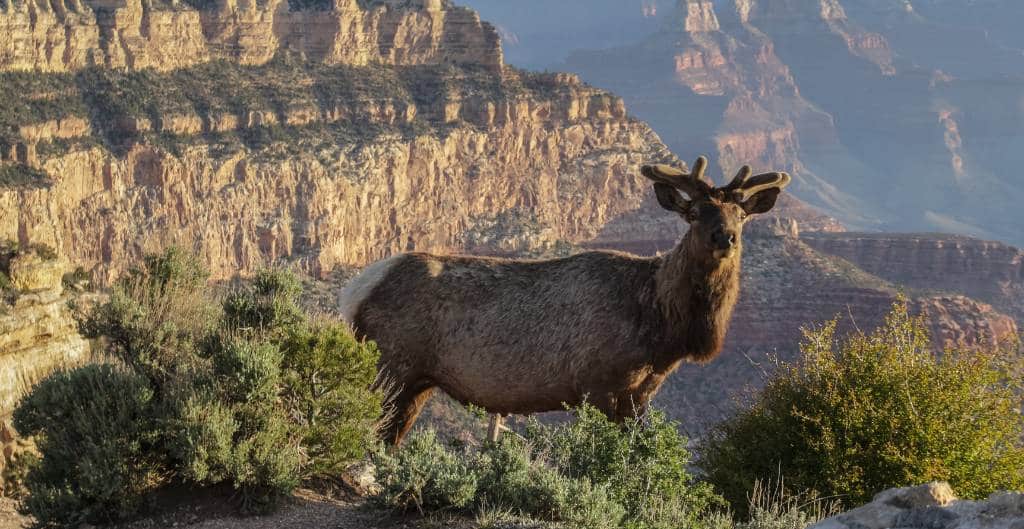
(525, 336)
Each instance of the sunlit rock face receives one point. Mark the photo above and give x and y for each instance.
(69, 35)
(338, 174)
(37, 331)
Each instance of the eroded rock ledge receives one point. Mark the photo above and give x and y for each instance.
(37, 332)
(323, 165)
(69, 35)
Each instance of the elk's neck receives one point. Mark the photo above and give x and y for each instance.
(696, 294)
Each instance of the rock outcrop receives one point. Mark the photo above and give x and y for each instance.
(69, 35)
(37, 332)
(931, 506)
(989, 271)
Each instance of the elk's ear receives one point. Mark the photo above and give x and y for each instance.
(762, 201)
(671, 199)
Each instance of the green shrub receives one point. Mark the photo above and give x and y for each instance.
(269, 305)
(155, 316)
(591, 473)
(511, 475)
(326, 388)
(644, 463)
(873, 412)
(425, 475)
(771, 507)
(95, 430)
(248, 392)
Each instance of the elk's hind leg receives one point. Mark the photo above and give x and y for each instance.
(407, 407)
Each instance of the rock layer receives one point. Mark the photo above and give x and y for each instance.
(788, 285)
(348, 179)
(68, 35)
(985, 270)
(37, 332)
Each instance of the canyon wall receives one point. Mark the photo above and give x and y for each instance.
(892, 115)
(989, 271)
(68, 35)
(347, 180)
(789, 284)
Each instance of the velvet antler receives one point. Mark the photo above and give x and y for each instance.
(692, 183)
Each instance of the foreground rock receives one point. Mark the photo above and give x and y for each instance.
(37, 330)
(932, 506)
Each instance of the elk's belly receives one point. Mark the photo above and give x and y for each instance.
(505, 384)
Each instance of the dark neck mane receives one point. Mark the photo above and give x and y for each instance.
(695, 295)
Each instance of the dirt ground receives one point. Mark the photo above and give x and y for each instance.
(9, 517)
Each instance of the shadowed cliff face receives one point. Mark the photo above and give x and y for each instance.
(900, 115)
(37, 331)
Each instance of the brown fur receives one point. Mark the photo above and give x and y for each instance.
(521, 336)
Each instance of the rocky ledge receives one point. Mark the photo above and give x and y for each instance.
(37, 332)
(931, 506)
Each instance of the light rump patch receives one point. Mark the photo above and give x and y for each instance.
(360, 287)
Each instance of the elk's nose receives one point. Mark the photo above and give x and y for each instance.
(724, 239)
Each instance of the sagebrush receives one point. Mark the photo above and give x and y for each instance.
(590, 473)
(874, 411)
(245, 388)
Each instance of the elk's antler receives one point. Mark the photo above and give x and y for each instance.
(692, 183)
(753, 185)
(739, 180)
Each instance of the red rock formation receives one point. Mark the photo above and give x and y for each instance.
(985, 270)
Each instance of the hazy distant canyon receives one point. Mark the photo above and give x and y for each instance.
(895, 115)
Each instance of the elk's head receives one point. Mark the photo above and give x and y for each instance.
(716, 214)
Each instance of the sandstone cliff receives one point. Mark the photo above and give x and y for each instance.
(67, 35)
(323, 165)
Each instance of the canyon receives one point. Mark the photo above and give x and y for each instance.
(328, 136)
(863, 101)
